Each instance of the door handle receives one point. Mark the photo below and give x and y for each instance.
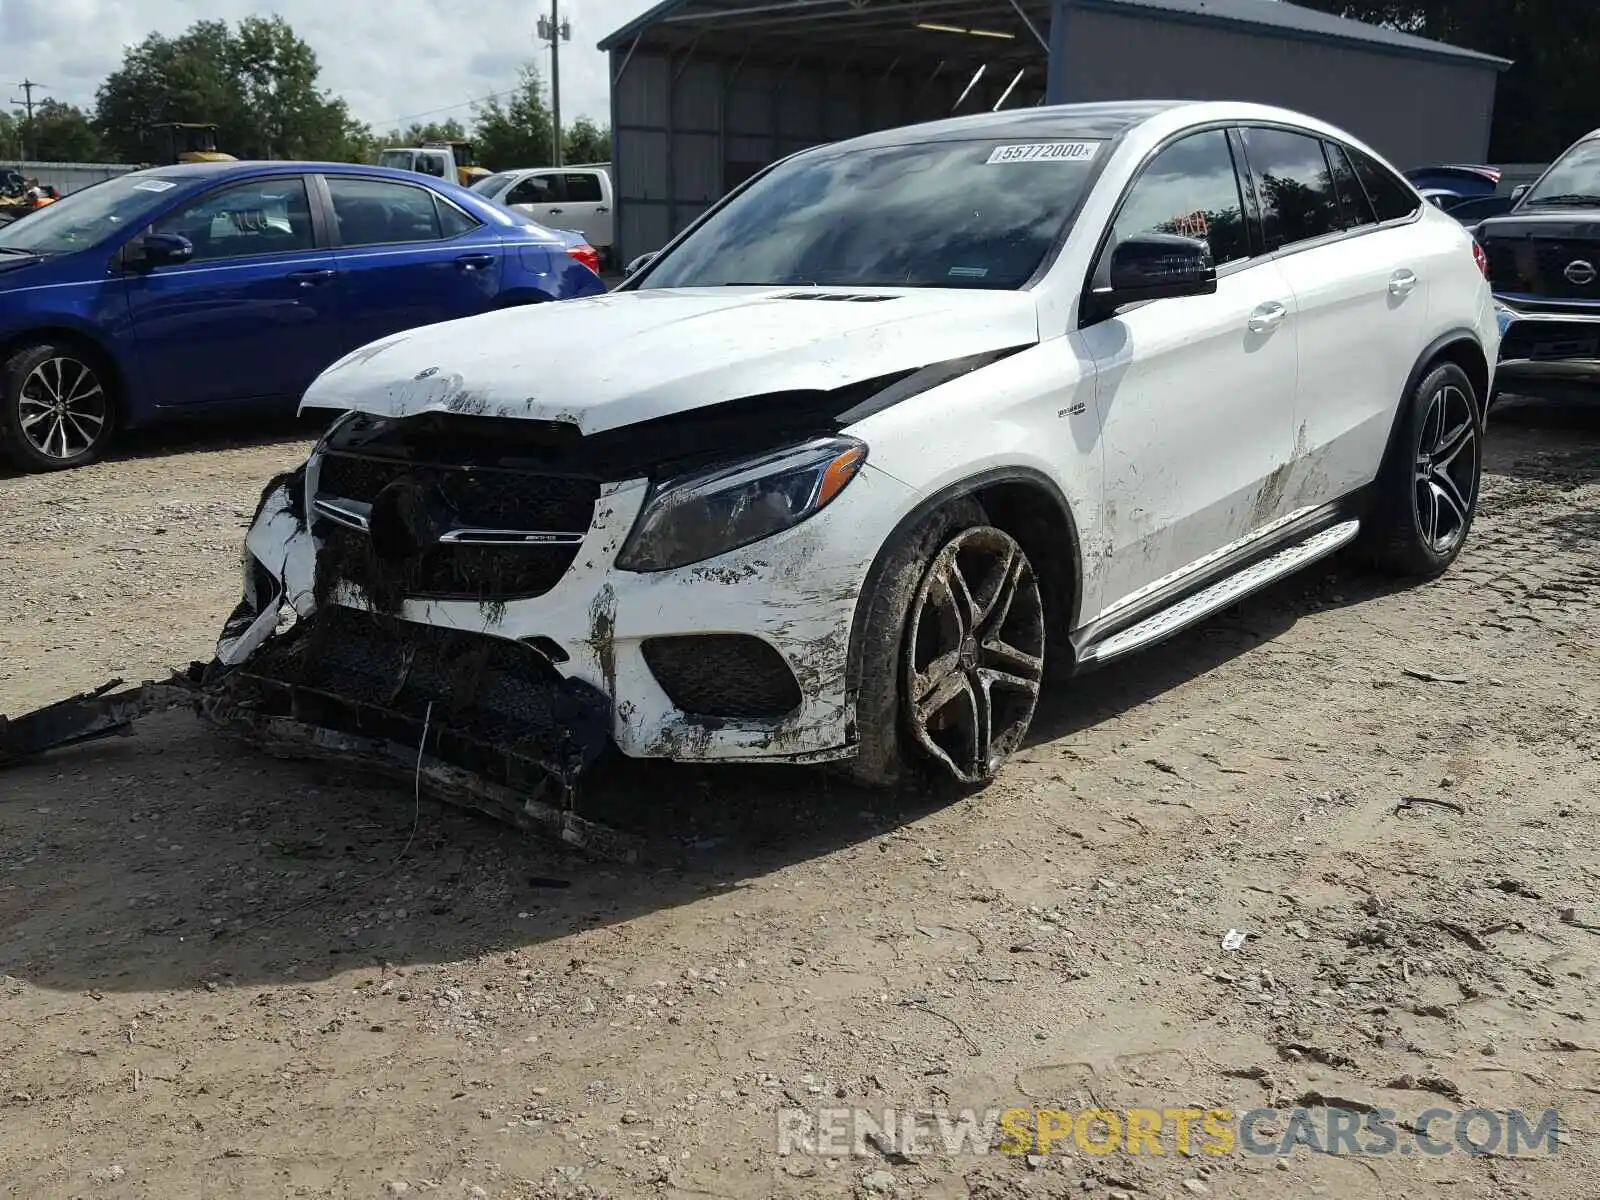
(1402, 282)
(555, 212)
(1268, 317)
(475, 262)
(311, 278)
(602, 209)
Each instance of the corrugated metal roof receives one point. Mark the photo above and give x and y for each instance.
(1268, 17)
(1282, 17)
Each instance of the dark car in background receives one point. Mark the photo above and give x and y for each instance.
(1469, 192)
(1544, 266)
(210, 287)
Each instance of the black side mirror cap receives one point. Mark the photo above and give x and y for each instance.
(1158, 266)
(159, 250)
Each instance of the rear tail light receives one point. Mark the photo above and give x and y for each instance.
(587, 255)
(1482, 259)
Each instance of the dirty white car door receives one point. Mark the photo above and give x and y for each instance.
(1197, 394)
(1360, 275)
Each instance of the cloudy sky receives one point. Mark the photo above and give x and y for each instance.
(390, 60)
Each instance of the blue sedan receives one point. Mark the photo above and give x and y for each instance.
(209, 287)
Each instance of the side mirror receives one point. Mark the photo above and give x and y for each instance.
(160, 250)
(640, 263)
(1521, 190)
(1159, 266)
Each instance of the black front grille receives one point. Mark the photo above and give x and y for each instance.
(723, 675)
(487, 498)
(1539, 266)
(484, 574)
(471, 498)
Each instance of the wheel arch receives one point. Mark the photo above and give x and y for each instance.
(18, 340)
(1459, 346)
(1027, 504)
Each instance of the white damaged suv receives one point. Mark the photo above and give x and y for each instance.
(896, 428)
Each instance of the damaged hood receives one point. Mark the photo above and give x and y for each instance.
(613, 360)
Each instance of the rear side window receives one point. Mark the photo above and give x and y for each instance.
(1190, 189)
(1354, 207)
(375, 212)
(1391, 196)
(583, 187)
(1298, 202)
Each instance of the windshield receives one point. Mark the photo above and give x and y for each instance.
(1574, 179)
(88, 217)
(976, 214)
(493, 185)
(399, 160)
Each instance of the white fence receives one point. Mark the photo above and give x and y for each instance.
(66, 177)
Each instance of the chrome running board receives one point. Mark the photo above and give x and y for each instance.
(1220, 595)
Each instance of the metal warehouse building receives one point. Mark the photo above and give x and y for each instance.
(706, 92)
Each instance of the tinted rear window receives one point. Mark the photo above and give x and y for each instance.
(1391, 196)
(978, 214)
(1298, 202)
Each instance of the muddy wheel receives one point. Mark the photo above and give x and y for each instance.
(1428, 492)
(58, 409)
(953, 654)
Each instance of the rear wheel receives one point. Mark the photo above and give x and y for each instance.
(1428, 492)
(953, 654)
(58, 406)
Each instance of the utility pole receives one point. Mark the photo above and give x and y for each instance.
(554, 30)
(27, 86)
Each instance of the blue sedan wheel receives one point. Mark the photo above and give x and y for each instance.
(58, 410)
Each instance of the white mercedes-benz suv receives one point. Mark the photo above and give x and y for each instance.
(899, 428)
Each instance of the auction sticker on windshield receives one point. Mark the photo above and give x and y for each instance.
(1045, 152)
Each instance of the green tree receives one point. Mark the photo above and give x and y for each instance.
(417, 134)
(10, 137)
(258, 82)
(1549, 97)
(517, 132)
(62, 133)
(585, 142)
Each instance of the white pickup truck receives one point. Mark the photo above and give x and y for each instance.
(578, 197)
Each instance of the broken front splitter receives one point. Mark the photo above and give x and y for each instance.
(477, 721)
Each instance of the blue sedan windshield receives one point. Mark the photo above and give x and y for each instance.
(86, 218)
(970, 214)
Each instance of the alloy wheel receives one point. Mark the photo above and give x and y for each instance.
(62, 408)
(1446, 469)
(974, 653)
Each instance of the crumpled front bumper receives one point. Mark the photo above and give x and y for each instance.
(567, 663)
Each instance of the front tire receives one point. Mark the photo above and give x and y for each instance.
(1428, 491)
(58, 411)
(952, 654)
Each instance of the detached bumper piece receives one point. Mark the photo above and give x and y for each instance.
(483, 722)
(102, 713)
(477, 721)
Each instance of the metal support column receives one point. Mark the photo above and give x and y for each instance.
(1055, 91)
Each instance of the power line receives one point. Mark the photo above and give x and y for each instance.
(393, 121)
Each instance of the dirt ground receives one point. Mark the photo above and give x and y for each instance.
(220, 975)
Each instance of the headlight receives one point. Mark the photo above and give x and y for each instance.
(693, 518)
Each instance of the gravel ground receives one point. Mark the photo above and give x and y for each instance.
(226, 975)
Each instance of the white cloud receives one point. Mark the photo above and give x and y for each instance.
(388, 60)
